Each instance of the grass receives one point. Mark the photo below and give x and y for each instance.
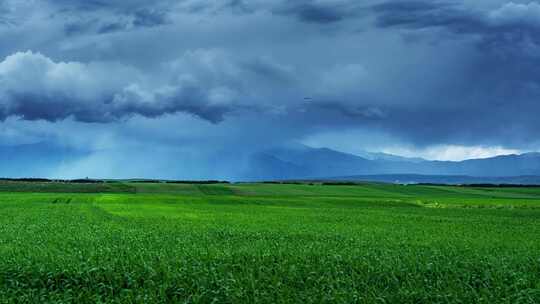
(265, 243)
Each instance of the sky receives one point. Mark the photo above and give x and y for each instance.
(189, 88)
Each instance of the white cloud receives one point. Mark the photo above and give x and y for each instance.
(516, 13)
(452, 152)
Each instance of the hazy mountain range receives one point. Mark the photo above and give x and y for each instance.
(298, 161)
(302, 162)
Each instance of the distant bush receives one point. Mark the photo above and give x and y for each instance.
(28, 180)
(285, 182)
(85, 181)
(197, 182)
(339, 184)
(146, 181)
(500, 185)
(46, 180)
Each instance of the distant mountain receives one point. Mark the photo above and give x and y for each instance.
(267, 166)
(302, 162)
(506, 165)
(388, 157)
(295, 161)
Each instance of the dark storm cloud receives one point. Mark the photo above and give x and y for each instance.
(116, 5)
(517, 20)
(5, 18)
(499, 79)
(143, 18)
(269, 70)
(320, 12)
(424, 72)
(149, 18)
(101, 17)
(423, 14)
(206, 84)
(79, 27)
(512, 30)
(88, 17)
(112, 108)
(310, 12)
(111, 28)
(35, 87)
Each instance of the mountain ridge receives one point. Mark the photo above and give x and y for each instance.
(324, 162)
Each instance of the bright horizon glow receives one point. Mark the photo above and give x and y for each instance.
(358, 143)
(453, 152)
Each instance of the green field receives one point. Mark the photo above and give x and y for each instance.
(267, 243)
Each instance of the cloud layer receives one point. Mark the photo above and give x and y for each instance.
(206, 84)
(232, 76)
